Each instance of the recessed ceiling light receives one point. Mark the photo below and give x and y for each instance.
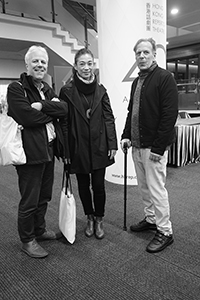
(174, 11)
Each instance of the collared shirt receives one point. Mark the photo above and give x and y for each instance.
(50, 127)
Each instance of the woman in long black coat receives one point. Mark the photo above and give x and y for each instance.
(89, 131)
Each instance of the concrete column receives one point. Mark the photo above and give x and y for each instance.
(120, 24)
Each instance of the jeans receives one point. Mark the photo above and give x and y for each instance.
(35, 185)
(92, 205)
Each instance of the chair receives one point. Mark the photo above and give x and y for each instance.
(184, 115)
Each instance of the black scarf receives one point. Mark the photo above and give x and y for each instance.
(83, 87)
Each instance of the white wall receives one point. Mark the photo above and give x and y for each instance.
(61, 75)
(11, 68)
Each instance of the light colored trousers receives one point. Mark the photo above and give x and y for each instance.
(151, 177)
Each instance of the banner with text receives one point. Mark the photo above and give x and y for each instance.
(120, 24)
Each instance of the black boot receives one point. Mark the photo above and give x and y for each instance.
(89, 230)
(99, 233)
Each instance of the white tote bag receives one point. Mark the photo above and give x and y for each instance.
(67, 209)
(11, 147)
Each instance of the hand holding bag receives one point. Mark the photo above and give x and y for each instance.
(67, 209)
(11, 147)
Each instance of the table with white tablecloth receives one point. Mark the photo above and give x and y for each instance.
(186, 149)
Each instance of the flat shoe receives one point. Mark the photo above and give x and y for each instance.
(34, 250)
(47, 235)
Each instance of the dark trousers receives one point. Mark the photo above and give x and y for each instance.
(35, 186)
(92, 205)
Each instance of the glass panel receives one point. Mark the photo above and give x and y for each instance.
(188, 82)
(171, 66)
(189, 97)
(193, 69)
(182, 76)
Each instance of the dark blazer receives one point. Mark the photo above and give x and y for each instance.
(34, 133)
(157, 112)
(89, 139)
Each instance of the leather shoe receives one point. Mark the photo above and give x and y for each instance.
(33, 249)
(142, 226)
(47, 235)
(99, 232)
(89, 230)
(159, 242)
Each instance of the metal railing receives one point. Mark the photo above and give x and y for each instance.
(188, 81)
(83, 16)
(189, 86)
(3, 3)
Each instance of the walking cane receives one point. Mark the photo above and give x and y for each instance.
(125, 183)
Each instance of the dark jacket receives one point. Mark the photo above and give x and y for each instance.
(34, 133)
(89, 140)
(157, 112)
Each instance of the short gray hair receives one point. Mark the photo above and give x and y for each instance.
(34, 48)
(150, 40)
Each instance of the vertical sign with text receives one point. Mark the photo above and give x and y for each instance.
(117, 35)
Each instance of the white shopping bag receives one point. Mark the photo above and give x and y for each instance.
(67, 209)
(11, 147)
